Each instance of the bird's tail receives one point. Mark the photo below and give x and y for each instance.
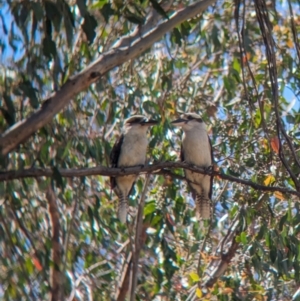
(122, 208)
(203, 207)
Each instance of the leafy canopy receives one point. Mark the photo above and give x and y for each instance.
(236, 64)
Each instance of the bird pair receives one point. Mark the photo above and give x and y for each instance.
(131, 148)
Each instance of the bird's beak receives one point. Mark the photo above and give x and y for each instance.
(179, 122)
(150, 122)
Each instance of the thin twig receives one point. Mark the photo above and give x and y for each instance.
(125, 279)
(138, 240)
(266, 30)
(67, 237)
(223, 264)
(203, 247)
(294, 30)
(158, 168)
(56, 276)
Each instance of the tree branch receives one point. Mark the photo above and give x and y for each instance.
(121, 53)
(217, 267)
(125, 279)
(139, 240)
(223, 264)
(56, 277)
(159, 168)
(266, 30)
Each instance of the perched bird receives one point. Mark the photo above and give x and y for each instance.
(129, 150)
(196, 149)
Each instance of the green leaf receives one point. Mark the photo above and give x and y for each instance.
(53, 14)
(68, 22)
(257, 118)
(8, 118)
(194, 277)
(233, 173)
(10, 107)
(49, 48)
(290, 119)
(92, 221)
(89, 27)
(229, 84)
(262, 232)
(194, 248)
(37, 10)
(133, 18)
(159, 9)
(66, 150)
(236, 65)
(48, 26)
(57, 177)
(107, 11)
(177, 36)
(149, 208)
(99, 4)
(215, 36)
(30, 92)
(150, 107)
(282, 221)
(166, 82)
(243, 238)
(100, 118)
(185, 29)
(23, 15)
(4, 27)
(29, 266)
(82, 7)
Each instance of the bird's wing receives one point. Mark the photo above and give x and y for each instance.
(189, 185)
(212, 160)
(114, 158)
(181, 154)
(212, 163)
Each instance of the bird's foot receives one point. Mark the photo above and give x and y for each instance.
(209, 168)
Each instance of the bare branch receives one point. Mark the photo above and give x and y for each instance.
(125, 279)
(56, 277)
(223, 264)
(294, 30)
(58, 100)
(159, 168)
(138, 244)
(219, 266)
(89, 270)
(266, 30)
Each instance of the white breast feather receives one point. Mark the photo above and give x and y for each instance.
(197, 151)
(133, 152)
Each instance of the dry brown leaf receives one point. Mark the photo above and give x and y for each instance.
(279, 195)
(275, 144)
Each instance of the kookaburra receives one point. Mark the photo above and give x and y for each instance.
(129, 150)
(196, 149)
